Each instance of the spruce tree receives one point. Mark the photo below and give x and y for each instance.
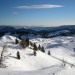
(16, 41)
(42, 49)
(18, 55)
(31, 43)
(49, 52)
(39, 47)
(35, 47)
(27, 42)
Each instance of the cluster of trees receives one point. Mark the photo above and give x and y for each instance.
(35, 48)
(38, 48)
(25, 43)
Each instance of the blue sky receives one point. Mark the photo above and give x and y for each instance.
(37, 12)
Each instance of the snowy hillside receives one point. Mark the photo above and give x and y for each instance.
(60, 62)
(61, 47)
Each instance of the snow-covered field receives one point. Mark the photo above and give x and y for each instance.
(60, 62)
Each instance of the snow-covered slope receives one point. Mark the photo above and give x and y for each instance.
(28, 61)
(61, 48)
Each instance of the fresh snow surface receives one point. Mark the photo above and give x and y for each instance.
(61, 48)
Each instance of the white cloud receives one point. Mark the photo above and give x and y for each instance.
(15, 12)
(45, 6)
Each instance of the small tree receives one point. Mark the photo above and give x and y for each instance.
(34, 53)
(35, 47)
(2, 56)
(39, 47)
(31, 43)
(18, 55)
(49, 52)
(42, 49)
(27, 42)
(16, 41)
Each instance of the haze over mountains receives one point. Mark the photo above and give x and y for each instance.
(51, 31)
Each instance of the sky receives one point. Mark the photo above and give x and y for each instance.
(37, 12)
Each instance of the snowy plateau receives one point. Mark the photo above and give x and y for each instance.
(60, 62)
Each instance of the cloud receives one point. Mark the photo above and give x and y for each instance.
(15, 12)
(45, 6)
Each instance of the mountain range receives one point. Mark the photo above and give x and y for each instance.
(43, 31)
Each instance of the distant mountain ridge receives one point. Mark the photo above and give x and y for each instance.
(56, 31)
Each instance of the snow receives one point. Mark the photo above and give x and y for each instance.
(61, 48)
